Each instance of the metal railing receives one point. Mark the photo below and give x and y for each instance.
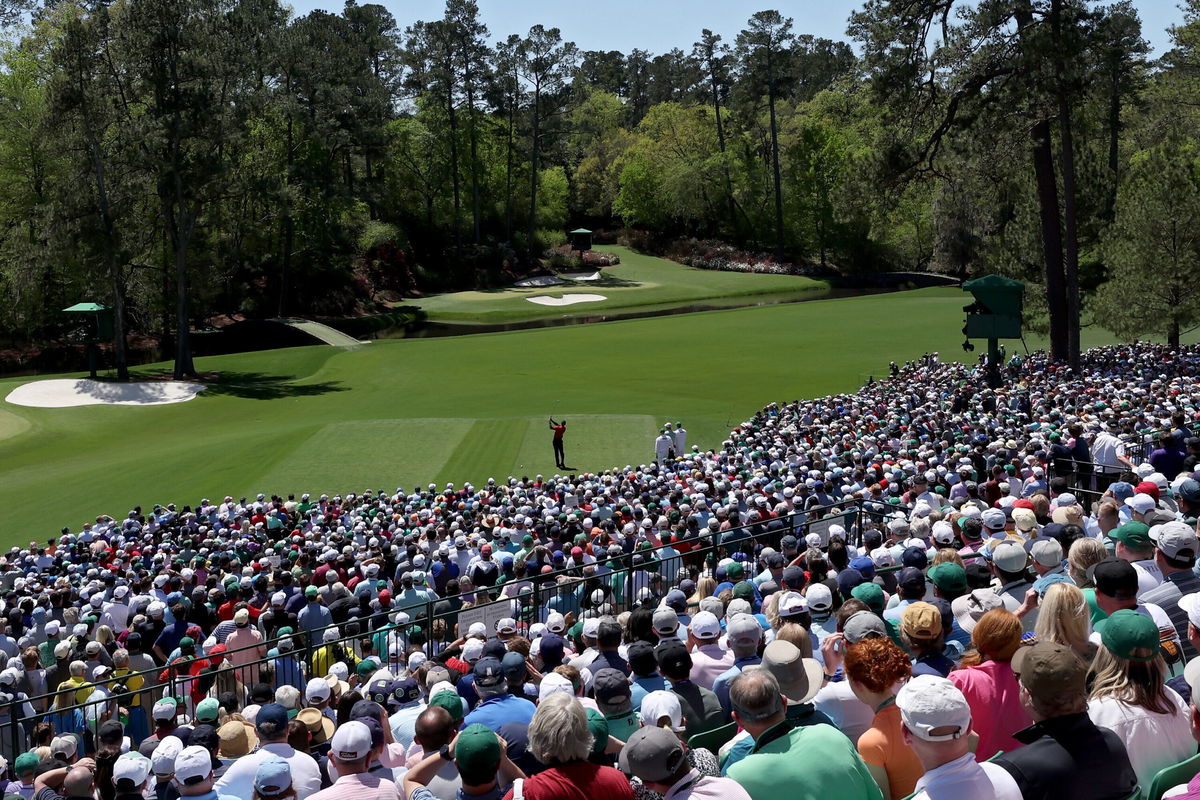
(531, 607)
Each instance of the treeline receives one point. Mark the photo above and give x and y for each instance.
(183, 160)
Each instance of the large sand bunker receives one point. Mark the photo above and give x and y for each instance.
(66, 392)
(566, 299)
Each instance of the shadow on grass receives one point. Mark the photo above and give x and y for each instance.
(252, 385)
(264, 386)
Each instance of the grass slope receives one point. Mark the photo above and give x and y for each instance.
(639, 283)
(404, 412)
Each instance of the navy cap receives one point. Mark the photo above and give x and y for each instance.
(406, 690)
(272, 714)
(488, 672)
(915, 557)
(794, 578)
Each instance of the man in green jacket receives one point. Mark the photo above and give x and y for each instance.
(813, 762)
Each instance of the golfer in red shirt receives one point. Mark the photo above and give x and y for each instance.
(559, 428)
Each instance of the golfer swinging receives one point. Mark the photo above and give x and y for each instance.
(559, 428)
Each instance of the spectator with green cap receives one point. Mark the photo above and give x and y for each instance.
(1133, 544)
(24, 768)
(598, 727)
(481, 759)
(950, 583)
(1129, 695)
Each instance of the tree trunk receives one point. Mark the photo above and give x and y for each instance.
(285, 275)
(1070, 216)
(1114, 141)
(1071, 219)
(533, 177)
(475, 226)
(455, 179)
(1173, 334)
(1052, 244)
(775, 157)
(181, 219)
(508, 182)
(120, 350)
(716, 99)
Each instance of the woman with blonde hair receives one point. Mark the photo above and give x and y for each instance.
(1129, 696)
(947, 555)
(1083, 555)
(1064, 619)
(986, 678)
(704, 588)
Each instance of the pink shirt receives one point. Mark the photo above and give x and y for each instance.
(996, 713)
(360, 787)
(709, 662)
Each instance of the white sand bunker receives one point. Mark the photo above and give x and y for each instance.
(541, 280)
(581, 276)
(566, 299)
(64, 393)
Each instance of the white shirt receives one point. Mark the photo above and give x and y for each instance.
(965, 779)
(238, 780)
(1153, 741)
(1149, 575)
(851, 715)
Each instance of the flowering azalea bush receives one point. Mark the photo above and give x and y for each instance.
(708, 254)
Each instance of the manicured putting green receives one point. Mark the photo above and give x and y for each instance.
(638, 283)
(409, 412)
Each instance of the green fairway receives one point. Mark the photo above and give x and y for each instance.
(399, 413)
(638, 283)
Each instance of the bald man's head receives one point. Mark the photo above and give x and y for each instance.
(78, 783)
(434, 727)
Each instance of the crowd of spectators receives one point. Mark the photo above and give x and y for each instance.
(925, 586)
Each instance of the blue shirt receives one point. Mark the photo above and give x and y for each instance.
(314, 616)
(644, 685)
(721, 684)
(499, 709)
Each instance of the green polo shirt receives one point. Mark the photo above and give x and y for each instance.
(812, 762)
(624, 724)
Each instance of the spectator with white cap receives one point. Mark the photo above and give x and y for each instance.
(743, 634)
(936, 725)
(131, 776)
(709, 659)
(351, 753)
(194, 775)
(1009, 562)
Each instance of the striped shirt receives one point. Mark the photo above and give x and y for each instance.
(1167, 595)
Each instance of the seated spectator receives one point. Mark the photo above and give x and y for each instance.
(936, 723)
(1063, 744)
(812, 762)
(1128, 695)
(560, 739)
(875, 668)
(986, 678)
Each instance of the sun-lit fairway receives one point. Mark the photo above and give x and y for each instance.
(399, 413)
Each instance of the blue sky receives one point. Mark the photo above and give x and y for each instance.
(659, 25)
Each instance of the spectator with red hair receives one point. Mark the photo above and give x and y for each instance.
(876, 668)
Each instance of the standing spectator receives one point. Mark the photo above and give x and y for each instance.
(271, 725)
(700, 706)
(659, 760)
(560, 739)
(194, 775)
(1176, 547)
(245, 646)
(478, 755)
(351, 753)
(1063, 744)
